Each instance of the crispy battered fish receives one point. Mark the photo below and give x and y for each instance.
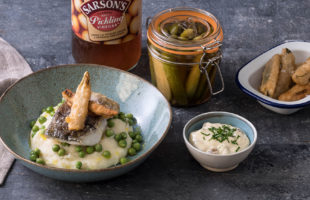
(90, 135)
(287, 69)
(297, 92)
(302, 74)
(270, 76)
(79, 108)
(98, 104)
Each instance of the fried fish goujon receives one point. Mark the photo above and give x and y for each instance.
(296, 93)
(287, 69)
(270, 76)
(79, 108)
(98, 104)
(302, 74)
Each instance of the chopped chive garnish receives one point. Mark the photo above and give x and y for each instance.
(222, 133)
(235, 141)
(237, 149)
(205, 134)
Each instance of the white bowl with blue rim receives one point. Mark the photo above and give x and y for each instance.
(249, 77)
(217, 162)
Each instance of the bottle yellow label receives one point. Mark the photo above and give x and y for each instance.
(106, 20)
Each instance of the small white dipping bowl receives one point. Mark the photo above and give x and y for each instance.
(249, 77)
(216, 162)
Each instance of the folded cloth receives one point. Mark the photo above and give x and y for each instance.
(12, 67)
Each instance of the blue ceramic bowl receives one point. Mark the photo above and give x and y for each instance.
(216, 162)
(23, 102)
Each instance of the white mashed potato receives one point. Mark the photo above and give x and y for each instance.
(212, 138)
(94, 160)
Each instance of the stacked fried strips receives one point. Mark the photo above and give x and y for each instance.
(280, 75)
(85, 102)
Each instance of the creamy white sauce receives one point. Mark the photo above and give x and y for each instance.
(202, 140)
(90, 161)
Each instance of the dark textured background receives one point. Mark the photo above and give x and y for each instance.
(279, 166)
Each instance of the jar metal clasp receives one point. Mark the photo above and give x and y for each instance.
(214, 61)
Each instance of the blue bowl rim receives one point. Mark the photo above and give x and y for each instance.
(131, 162)
(204, 116)
(261, 99)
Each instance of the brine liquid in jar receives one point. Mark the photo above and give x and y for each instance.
(107, 32)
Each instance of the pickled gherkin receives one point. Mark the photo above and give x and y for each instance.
(193, 79)
(175, 53)
(160, 78)
(185, 30)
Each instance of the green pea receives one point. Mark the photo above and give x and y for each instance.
(55, 147)
(49, 109)
(137, 146)
(78, 149)
(110, 123)
(122, 116)
(33, 157)
(138, 131)
(82, 154)
(35, 128)
(42, 119)
(132, 151)
(40, 161)
(32, 123)
(130, 122)
(122, 143)
(33, 134)
(124, 135)
(132, 134)
(129, 116)
(106, 154)
(33, 152)
(109, 132)
(90, 149)
(61, 152)
(98, 147)
(37, 151)
(78, 165)
(135, 141)
(139, 138)
(118, 137)
(123, 160)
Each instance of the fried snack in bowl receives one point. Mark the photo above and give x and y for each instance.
(287, 69)
(302, 74)
(270, 76)
(296, 93)
(249, 77)
(98, 104)
(79, 108)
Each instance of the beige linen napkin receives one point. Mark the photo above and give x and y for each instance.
(12, 67)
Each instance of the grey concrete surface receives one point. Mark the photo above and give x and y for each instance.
(278, 168)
